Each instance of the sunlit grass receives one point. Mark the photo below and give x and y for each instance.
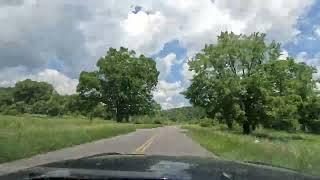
(28, 135)
(296, 151)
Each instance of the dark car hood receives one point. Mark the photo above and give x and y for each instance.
(158, 167)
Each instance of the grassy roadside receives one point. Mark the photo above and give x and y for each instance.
(296, 151)
(25, 136)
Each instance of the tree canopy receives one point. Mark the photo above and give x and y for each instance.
(30, 91)
(123, 83)
(242, 79)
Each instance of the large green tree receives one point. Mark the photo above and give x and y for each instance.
(242, 79)
(123, 83)
(227, 80)
(29, 91)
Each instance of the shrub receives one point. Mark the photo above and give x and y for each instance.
(287, 125)
(40, 107)
(11, 111)
(206, 122)
(54, 109)
(314, 126)
(157, 121)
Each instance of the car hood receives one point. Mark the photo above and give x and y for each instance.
(158, 167)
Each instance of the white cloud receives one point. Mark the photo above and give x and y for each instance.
(164, 65)
(317, 31)
(168, 94)
(62, 84)
(186, 73)
(141, 31)
(302, 56)
(193, 23)
(36, 32)
(284, 55)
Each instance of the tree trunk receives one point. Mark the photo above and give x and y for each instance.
(253, 127)
(90, 117)
(119, 117)
(246, 128)
(126, 118)
(229, 124)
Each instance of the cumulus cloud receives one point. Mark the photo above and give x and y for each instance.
(284, 55)
(193, 23)
(164, 65)
(168, 94)
(317, 31)
(186, 73)
(35, 32)
(62, 83)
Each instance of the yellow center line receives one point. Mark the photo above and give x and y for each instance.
(141, 149)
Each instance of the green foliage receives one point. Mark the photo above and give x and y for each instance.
(89, 92)
(282, 111)
(29, 91)
(241, 79)
(11, 110)
(101, 112)
(40, 107)
(6, 97)
(123, 82)
(309, 112)
(183, 114)
(206, 122)
(146, 119)
(32, 97)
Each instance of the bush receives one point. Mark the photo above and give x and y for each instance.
(141, 120)
(314, 126)
(54, 109)
(286, 125)
(40, 107)
(206, 122)
(145, 119)
(11, 111)
(157, 121)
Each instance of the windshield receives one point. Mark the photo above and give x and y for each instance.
(217, 79)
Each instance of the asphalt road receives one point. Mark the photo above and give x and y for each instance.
(169, 141)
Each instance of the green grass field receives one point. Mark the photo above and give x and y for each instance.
(296, 151)
(25, 136)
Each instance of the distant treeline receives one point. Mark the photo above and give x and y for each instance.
(34, 97)
(40, 98)
(183, 114)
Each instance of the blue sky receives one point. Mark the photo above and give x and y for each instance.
(54, 41)
(308, 40)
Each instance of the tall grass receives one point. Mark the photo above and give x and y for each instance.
(296, 151)
(28, 135)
